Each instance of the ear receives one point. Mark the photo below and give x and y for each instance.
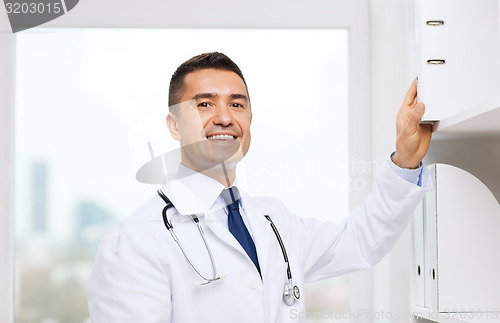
(173, 126)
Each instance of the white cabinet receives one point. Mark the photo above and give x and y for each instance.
(456, 272)
(458, 228)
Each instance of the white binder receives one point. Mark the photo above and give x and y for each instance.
(458, 64)
(419, 263)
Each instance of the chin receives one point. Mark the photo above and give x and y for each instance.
(207, 154)
(227, 158)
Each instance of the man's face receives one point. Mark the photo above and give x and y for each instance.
(213, 120)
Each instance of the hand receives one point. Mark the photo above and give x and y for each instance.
(413, 139)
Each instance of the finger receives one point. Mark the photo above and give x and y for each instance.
(411, 94)
(426, 130)
(414, 101)
(415, 117)
(405, 112)
(425, 136)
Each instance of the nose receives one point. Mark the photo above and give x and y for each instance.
(222, 116)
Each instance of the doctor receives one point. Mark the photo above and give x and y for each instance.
(142, 274)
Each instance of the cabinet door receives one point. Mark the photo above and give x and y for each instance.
(468, 226)
(458, 54)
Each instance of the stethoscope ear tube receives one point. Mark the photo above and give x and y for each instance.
(165, 219)
(165, 209)
(291, 292)
(164, 198)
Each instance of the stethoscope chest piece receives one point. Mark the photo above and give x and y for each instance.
(290, 293)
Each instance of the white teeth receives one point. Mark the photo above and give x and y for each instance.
(221, 137)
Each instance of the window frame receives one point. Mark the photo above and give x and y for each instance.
(353, 15)
(7, 177)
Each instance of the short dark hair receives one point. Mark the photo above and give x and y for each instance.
(213, 60)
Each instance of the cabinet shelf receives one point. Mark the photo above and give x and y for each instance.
(479, 122)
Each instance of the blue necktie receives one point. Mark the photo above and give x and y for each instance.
(237, 227)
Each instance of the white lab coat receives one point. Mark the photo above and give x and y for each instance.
(140, 274)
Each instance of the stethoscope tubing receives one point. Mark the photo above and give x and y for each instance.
(282, 246)
(170, 228)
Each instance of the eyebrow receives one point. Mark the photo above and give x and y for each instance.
(213, 95)
(239, 96)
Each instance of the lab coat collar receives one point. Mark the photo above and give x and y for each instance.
(192, 192)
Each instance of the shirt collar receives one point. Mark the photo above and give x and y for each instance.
(192, 192)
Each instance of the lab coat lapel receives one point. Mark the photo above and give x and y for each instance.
(216, 222)
(262, 233)
(271, 261)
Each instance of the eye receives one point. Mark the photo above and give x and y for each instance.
(204, 105)
(237, 105)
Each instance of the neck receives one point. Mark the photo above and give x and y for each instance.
(222, 173)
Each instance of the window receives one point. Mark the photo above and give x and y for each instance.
(79, 94)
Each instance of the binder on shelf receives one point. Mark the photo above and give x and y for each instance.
(419, 263)
(431, 247)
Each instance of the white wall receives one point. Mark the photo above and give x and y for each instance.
(390, 79)
(6, 167)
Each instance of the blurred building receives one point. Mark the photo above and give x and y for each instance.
(39, 196)
(92, 223)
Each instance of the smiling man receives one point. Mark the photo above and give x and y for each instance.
(211, 119)
(231, 257)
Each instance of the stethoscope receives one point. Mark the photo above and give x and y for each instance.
(291, 292)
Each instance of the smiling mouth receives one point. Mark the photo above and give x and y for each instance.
(221, 137)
